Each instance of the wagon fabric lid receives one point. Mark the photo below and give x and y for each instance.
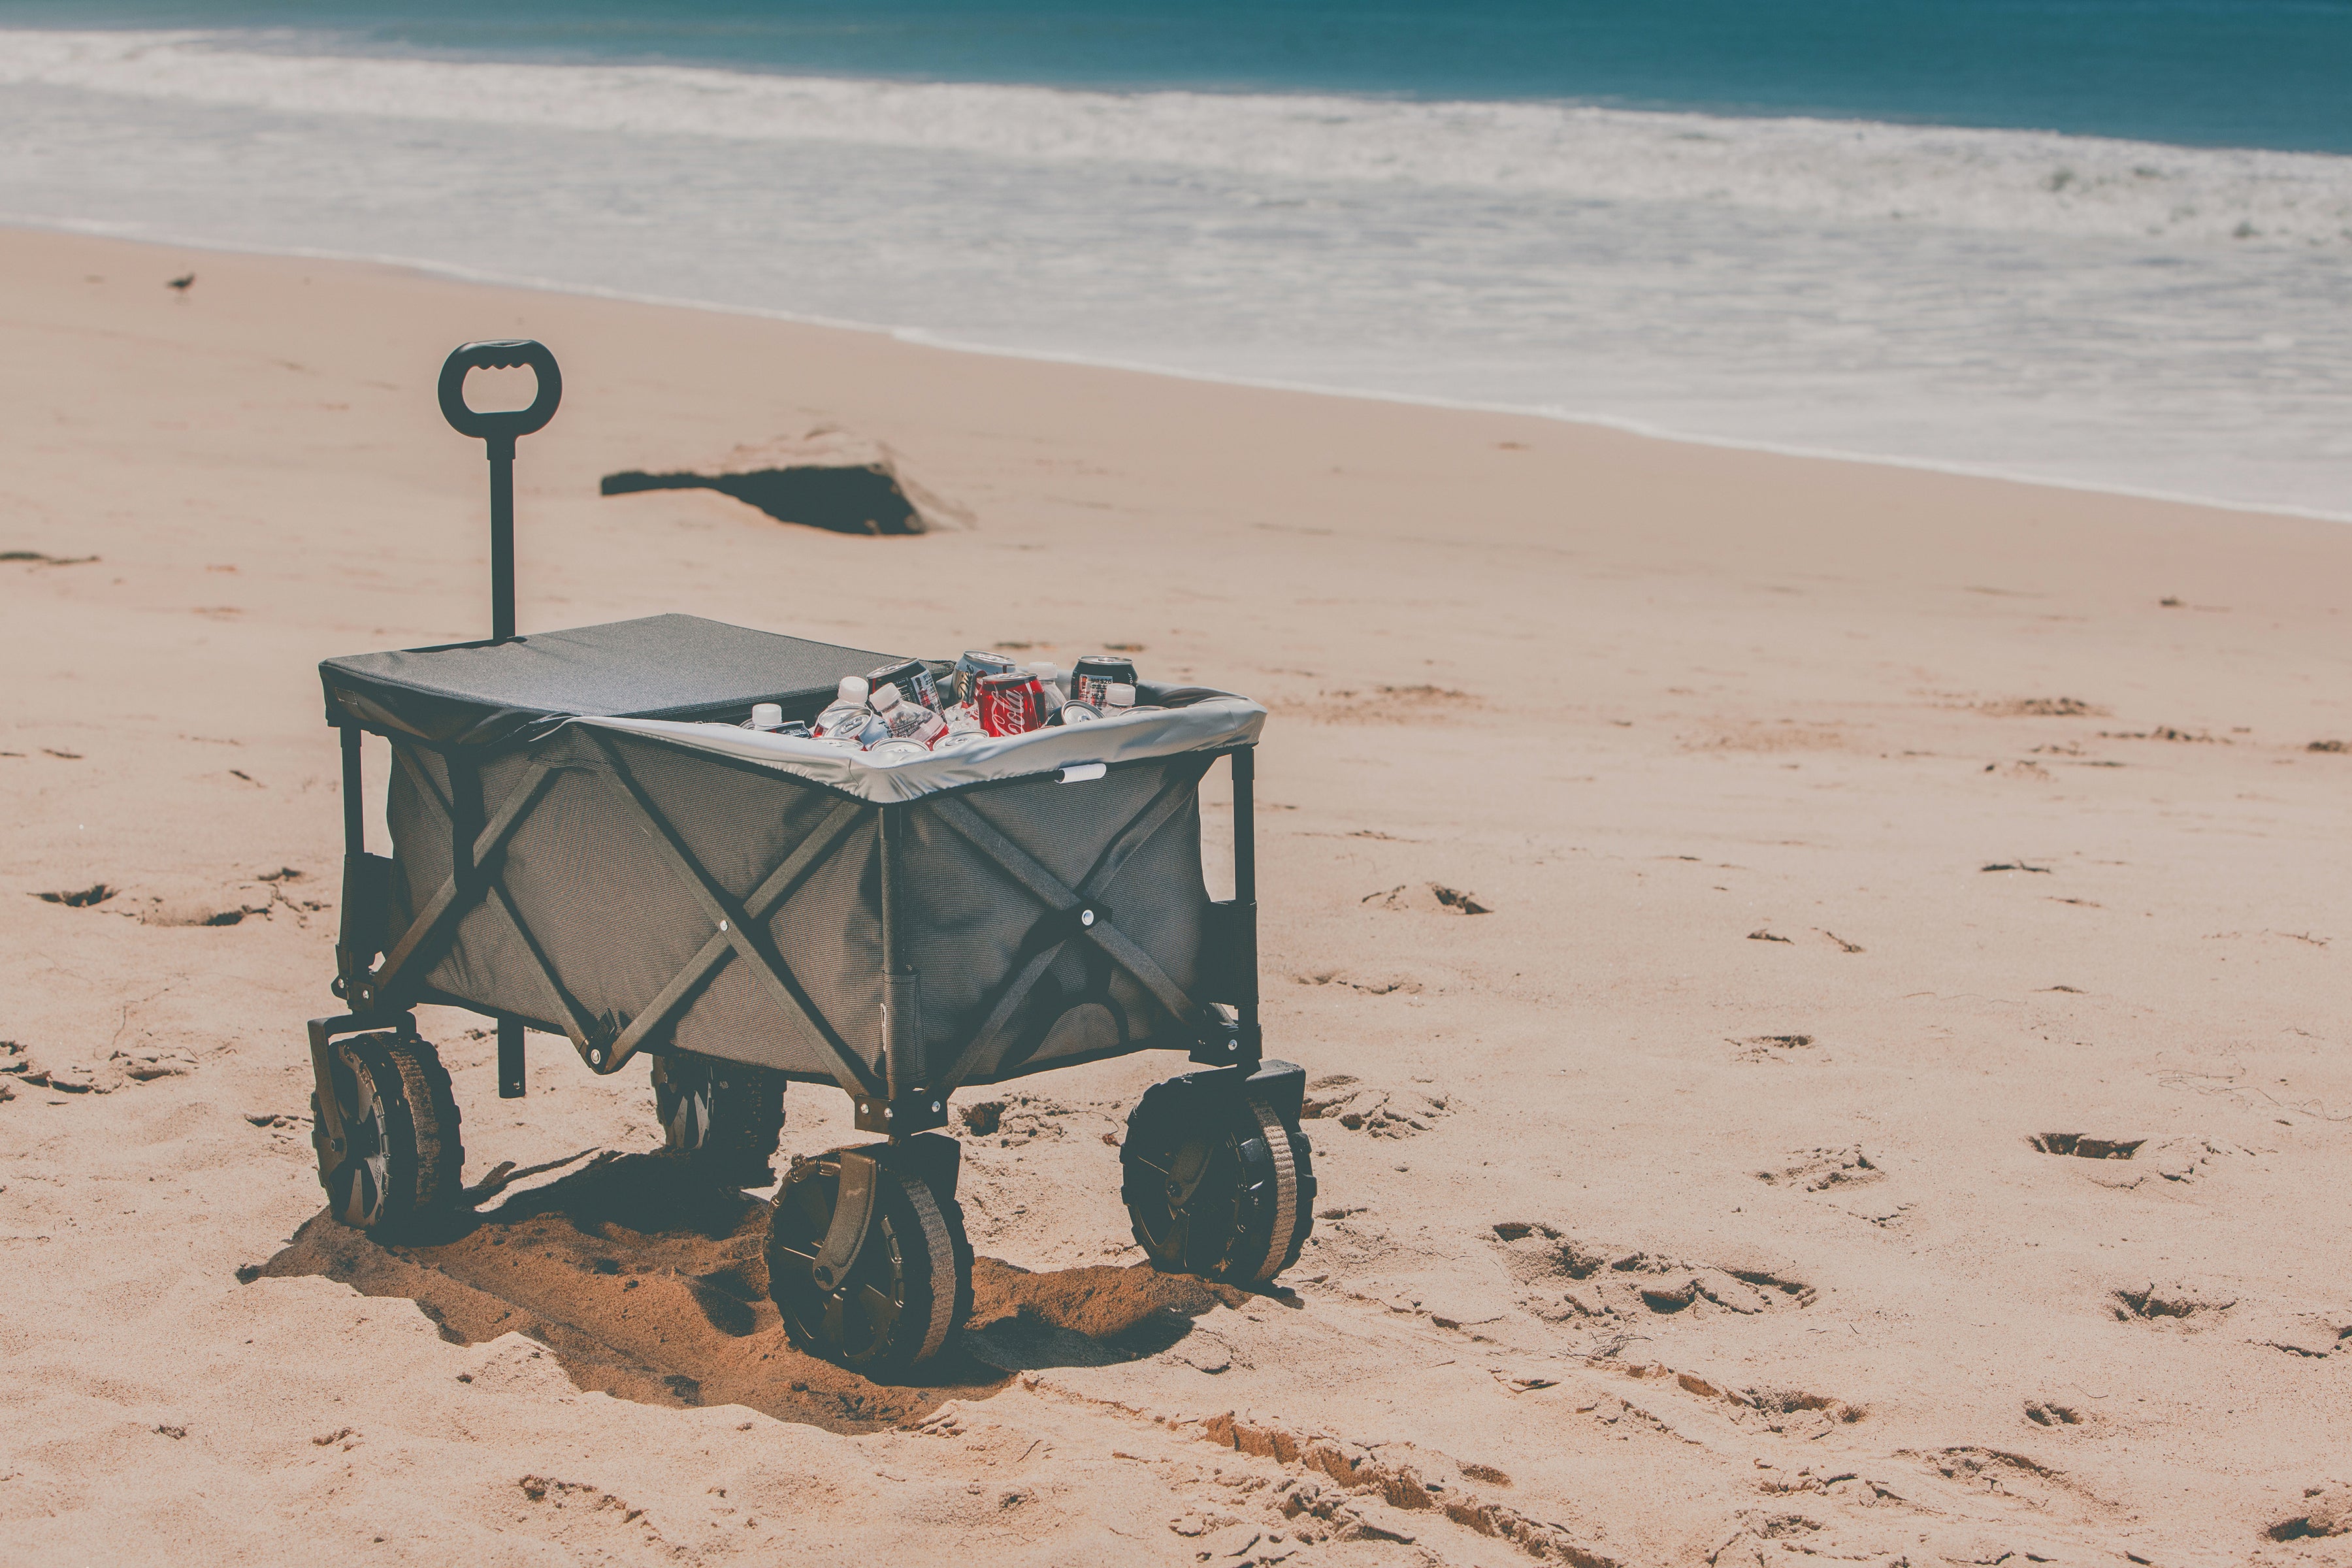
(661, 666)
(1206, 721)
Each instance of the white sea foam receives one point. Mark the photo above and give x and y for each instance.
(2016, 181)
(1986, 302)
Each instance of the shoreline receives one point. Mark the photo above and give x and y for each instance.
(921, 338)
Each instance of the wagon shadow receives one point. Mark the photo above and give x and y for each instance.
(647, 1284)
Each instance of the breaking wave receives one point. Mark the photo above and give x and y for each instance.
(2014, 181)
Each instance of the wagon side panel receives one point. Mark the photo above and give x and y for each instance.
(1011, 981)
(606, 899)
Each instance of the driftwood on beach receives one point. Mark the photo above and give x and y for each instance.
(825, 479)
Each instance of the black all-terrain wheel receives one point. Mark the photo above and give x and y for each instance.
(907, 1290)
(398, 1166)
(1219, 1182)
(726, 1116)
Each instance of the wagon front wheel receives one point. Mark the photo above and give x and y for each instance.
(398, 1164)
(880, 1300)
(1217, 1180)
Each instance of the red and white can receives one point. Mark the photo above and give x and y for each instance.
(1012, 703)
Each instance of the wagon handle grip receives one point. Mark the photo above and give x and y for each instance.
(497, 429)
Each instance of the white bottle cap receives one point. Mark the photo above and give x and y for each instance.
(885, 697)
(851, 689)
(767, 716)
(1043, 671)
(1119, 694)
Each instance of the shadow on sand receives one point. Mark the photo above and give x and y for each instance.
(647, 1281)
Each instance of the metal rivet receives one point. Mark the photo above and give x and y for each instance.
(596, 1058)
(722, 925)
(935, 1105)
(1085, 917)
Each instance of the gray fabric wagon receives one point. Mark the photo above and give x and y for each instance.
(586, 841)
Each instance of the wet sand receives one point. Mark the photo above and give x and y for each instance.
(1891, 1106)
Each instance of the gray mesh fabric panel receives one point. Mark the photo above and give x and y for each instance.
(976, 925)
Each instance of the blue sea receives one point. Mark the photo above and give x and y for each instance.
(2103, 243)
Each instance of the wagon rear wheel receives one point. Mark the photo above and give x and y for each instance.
(398, 1164)
(1217, 1181)
(726, 1116)
(908, 1289)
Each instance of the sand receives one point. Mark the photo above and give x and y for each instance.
(1860, 850)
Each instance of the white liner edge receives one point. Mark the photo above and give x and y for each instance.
(1200, 727)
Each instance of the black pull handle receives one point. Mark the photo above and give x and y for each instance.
(497, 429)
(501, 424)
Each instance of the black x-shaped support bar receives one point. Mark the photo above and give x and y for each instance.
(1082, 916)
(740, 928)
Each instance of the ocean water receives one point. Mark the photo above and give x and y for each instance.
(2105, 243)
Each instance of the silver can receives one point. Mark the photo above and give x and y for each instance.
(964, 684)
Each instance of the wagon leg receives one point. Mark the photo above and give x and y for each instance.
(512, 1082)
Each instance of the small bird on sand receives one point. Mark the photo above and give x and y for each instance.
(182, 283)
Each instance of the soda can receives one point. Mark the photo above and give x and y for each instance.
(1080, 713)
(1012, 703)
(1091, 678)
(843, 719)
(912, 724)
(906, 721)
(912, 677)
(888, 753)
(975, 663)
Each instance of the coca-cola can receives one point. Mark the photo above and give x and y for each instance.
(1092, 676)
(1012, 703)
(913, 679)
(975, 663)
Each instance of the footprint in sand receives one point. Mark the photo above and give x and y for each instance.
(1427, 898)
(1380, 1112)
(2169, 1158)
(2179, 1306)
(1565, 1280)
(1819, 1170)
